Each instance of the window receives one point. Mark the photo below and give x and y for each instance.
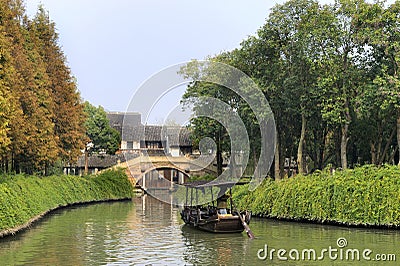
(129, 145)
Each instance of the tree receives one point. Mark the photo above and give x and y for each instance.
(215, 101)
(40, 111)
(34, 145)
(7, 97)
(279, 59)
(330, 74)
(67, 107)
(290, 26)
(382, 26)
(37, 104)
(202, 127)
(99, 131)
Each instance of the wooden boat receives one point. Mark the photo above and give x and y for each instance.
(215, 218)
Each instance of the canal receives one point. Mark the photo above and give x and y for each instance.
(147, 232)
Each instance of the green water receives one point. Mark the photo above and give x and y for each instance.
(148, 232)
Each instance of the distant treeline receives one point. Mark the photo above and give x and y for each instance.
(41, 114)
(331, 76)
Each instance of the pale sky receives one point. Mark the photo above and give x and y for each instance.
(113, 46)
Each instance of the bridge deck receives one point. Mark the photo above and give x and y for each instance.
(137, 167)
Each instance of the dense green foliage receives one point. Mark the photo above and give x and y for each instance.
(24, 197)
(41, 113)
(331, 76)
(98, 129)
(366, 195)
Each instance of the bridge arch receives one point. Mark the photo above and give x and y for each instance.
(162, 177)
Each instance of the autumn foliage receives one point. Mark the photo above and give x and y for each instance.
(41, 113)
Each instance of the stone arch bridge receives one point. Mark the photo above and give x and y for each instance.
(162, 172)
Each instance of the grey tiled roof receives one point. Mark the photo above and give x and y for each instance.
(176, 136)
(133, 133)
(131, 129)
(153, 133)
(118, 120)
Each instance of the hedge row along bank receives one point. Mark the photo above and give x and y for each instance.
(24, 199)
(365, 196)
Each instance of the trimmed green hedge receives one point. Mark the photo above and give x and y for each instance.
(25, 197)
(367, 195)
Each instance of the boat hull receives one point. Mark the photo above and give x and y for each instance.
(216, 223)
(222, 226)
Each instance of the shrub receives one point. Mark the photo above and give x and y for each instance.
(367, 195)
(24, 197)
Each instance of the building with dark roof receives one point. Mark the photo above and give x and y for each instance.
(96, 163)
(178, 140)
(118, 119)
(153, 139)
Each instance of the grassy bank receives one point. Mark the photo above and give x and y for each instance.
(367, 196)
(23, 199)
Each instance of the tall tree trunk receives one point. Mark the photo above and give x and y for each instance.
(233, 168)
(300, 149)
(323, 148)
(13, 163)
(17, 165)
(277, 165)
(255, 159)
(343, 146)
(379, 148)
(219, 152)
(345, 128)
(86, 161)
(7, 169)
(391, 159)
(337, 147)
(345, 135)
(373, 152)
(281, 162)
(385, 154)
(398, 134)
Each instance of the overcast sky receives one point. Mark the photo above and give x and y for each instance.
(113, 46)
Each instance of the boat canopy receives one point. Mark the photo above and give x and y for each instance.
(213, 183)
(223, 185)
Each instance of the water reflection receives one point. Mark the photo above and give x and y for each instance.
(211, 249)
(148, 232)
(74, 236)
